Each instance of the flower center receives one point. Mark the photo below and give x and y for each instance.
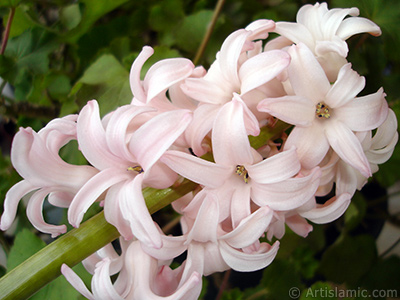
(137, 169)
(322, 111)
(241, 171)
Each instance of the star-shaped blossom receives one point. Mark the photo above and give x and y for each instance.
(326, 115)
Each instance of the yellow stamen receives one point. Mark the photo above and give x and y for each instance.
(136, 169)
(322, 111)
(241, 171)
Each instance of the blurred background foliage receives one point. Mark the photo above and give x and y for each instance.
(62, 53)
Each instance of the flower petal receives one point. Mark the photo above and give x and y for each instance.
(135, 211)
(134, 75)
(248, 262)
(355, 25)
(306, 75)
(364, 113)
(329, 211)
(196, 169)
(346, 87)
(289, 194)
(250, 228)
(165, 73)
(91, 191)
(230, 142)
(295, 110)
(101, 282)
(153, 138)
(262, 68)
(34, 212)
(348, 147)
(92, 139)
(76, 282)
(311, 144)
(117, 127)
(13, 196)
(276, 168)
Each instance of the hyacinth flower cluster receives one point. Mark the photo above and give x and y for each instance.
(206, 126)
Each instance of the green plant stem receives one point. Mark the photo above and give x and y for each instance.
(75, 246)
(204, 42)
(7, 31)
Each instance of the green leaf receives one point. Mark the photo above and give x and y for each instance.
(191, 33)
(165, 15)
(20, 22)
(25, 245)
(348, 259)
(105, 80)
(278, 278)
(92, 11)
(70, 16)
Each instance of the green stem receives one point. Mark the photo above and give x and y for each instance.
(75, 246)
(204, 42)
(7, 31)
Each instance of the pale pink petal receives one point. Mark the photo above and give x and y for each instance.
(364, 113)
(276, 168)
(160, 176)
(240, 203)
(295, 110)
(153, 138)
(134, 75)
(34, 211)
(117, 127)
(61, 198)
(89, 193)
(336, 46)
(250, 120)
(230, 142)
(101, 282)
(203, 119)
(229, 55)
(298, 225)
(205, 226)
(76, 282)
(113, 211)
(250, 228)
(260, 29)
(196, 169)
(249, 262)
(262, 68)
(173, 246)
(334, 18)
(329, 211)
(386, 132)
(13, 196)
(347, 146)
(165, 73)
(295, 32)
(306, 75)
(92, 139)
(213, 261)
(289, 194)
(135, 211)
(355, 25)
(35, 163)
(311, 144)
(347, 86)
(206, 91)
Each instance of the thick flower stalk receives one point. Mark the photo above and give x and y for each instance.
(208, 126)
